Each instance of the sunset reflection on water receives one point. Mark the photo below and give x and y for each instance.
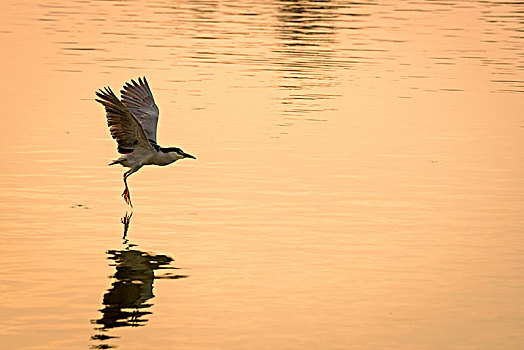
(358, 181)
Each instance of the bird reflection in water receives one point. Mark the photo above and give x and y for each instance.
(125, 304)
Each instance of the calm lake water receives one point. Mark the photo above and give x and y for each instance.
(359, 179)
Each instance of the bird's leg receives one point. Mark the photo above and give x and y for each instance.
(126, 194)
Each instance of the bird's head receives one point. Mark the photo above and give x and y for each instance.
(176, 152)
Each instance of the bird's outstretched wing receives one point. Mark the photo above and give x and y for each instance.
(124, 128)
(137, 97)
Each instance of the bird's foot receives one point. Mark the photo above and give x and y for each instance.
(127, 196)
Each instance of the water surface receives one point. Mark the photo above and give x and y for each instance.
(358, 182)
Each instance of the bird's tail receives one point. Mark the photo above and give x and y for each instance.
(117, 161)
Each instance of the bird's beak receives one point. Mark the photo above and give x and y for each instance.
(188, 156)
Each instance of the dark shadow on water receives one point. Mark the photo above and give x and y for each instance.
(128, 301)
(305, 57)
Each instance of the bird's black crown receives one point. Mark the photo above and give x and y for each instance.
(171, 149)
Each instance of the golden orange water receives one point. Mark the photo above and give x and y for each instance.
(358, 182)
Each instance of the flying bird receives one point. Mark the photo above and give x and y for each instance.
(133, 122)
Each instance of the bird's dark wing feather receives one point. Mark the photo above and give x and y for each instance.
(137, 97)
(124, 128)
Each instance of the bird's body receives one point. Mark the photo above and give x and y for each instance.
(133, 122)
(146, 157)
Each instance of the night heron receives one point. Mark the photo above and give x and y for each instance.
(132, 122)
